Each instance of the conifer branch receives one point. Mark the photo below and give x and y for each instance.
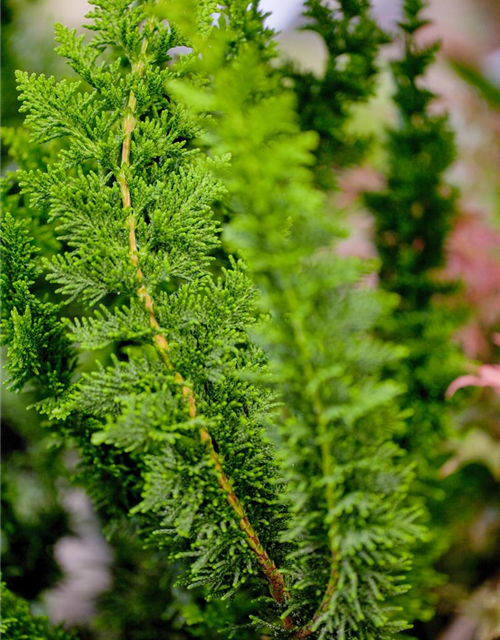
(128, 128)
(413, 215)
(352, 39)
(333, 505)
(310, 627)
(342, 465)
(326, 457)
(273, 575)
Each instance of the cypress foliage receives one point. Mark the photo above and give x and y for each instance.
(18, 624)
(346, 478)
(413, 216)
(352, 40)
(168, 429)
(171, 429)
(38, 348)
(142, 602)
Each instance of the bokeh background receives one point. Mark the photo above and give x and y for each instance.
(54, 552)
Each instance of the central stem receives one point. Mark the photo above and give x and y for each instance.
(326, 458)
(275, 579)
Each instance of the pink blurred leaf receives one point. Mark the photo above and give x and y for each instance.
(488, 376)
(496, 339)
(474, 258)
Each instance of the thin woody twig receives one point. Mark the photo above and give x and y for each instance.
(274, 577)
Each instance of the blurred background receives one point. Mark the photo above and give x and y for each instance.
(53, 551)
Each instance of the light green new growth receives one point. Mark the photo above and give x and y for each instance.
(346, 478)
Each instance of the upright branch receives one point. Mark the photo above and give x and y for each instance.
(350, 522)
(273, 576)
(143, 242)
(413, 215)
(352, 40)
(327, 460)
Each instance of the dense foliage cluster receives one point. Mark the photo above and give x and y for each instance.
(236, 395)
(352, 39)
(339, 418)
(18, 624)
(412, 246)
(135, 227)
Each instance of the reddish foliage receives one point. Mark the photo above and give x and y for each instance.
(474, 258)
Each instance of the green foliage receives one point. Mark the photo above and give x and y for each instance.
(38, 347)
(413, 216)
(246, 22)
(352, 39)
(346, 479)
(33, 518)
(241, 446)
(8, 57)
(18, 624)
(131, 202)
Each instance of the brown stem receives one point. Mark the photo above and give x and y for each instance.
(309, 628)
(274, 577)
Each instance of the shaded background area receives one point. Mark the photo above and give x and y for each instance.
(54, 552)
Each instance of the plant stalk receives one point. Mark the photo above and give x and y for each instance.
(274, 577)
(326, 458)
